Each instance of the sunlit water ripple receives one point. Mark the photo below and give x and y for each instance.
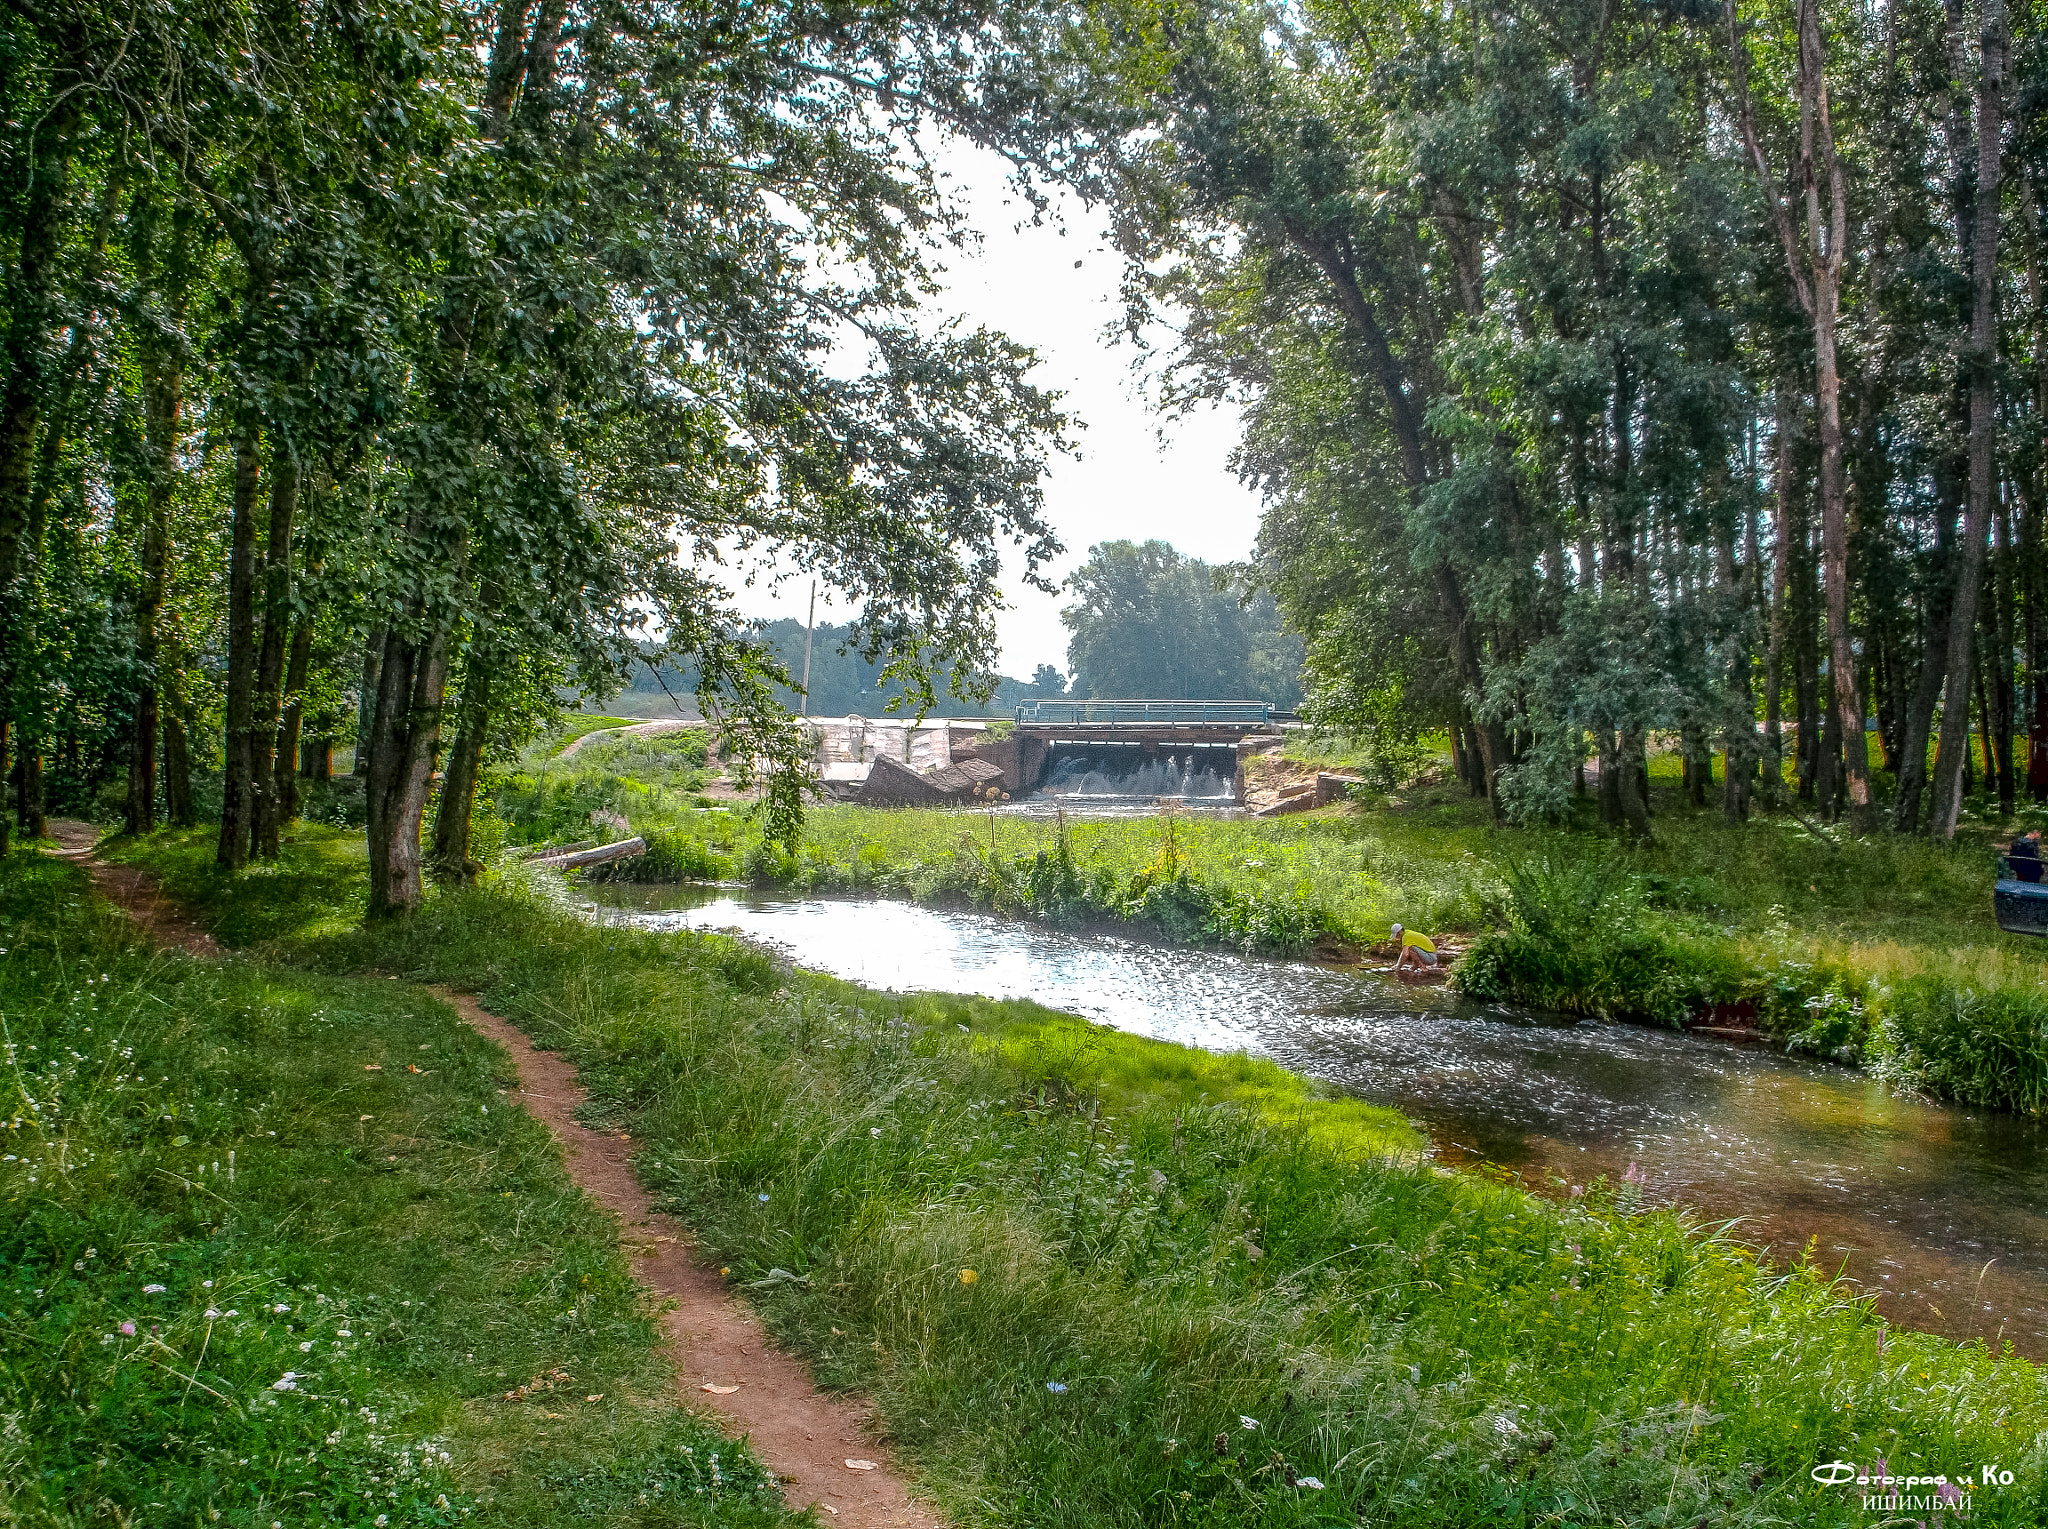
(1943, 1212)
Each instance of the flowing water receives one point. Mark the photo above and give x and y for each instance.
(1942, 1212)
(1100, 773)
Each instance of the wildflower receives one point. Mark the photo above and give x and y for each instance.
(968, 1276)
(381, 1520)
(280, 1308)
(1578, 1191)
(1310, 1482)
(305, 1348)
(343, 1332)
(127, 1329)
(1057, 1388)
(206, 1284)
(1249, 1425)
(212, 1315)
(1633, 1175)
(874, 1130)
(762, 1198)
(152, 1289)
(289, 1381)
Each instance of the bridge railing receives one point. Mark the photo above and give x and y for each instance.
(1245, 713)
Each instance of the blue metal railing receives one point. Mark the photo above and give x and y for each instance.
(1240, 713)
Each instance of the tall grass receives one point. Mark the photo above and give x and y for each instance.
(1082, 1294)
(274, 1248)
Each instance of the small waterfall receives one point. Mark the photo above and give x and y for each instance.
(1126, 771)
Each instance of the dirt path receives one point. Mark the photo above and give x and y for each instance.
(637, 730)
(805, 1437)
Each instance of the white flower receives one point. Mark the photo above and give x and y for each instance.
(289, 1381)
(305, 1348)
(280, 1308)
(212, 1315)
(152, 1289)
(1310, 1482)
(206, 1284)
(380, 1520)
(342, 1332)
(1249, 1425)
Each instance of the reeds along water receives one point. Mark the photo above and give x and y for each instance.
(1195, 772)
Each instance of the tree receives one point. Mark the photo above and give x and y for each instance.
(1149, 622)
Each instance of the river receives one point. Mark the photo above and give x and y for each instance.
(1943, 1212)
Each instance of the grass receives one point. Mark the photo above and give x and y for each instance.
(1879, 952)
(247, 1280)
(1092, 1280)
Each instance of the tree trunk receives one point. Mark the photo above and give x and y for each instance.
(238, 781)
(1781, 585)
(1848, 701)
(277, 625)
(1610, 778)
(1632, 778)
(366, 698)
(1827, 762)
(31, 323)
(28, 796)
(2033, 491)
(404, 739)
(458, 783)
(1969, 573)
(1984, 722)
(162, 390)
(1815, 266)
(178, 804)
(1493, 745)
(286, 767)
(1999, 634)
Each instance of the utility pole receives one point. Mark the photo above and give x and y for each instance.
(810, 625)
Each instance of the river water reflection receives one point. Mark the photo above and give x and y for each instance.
(1943, 1212)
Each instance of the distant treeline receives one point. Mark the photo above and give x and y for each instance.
(842, 681)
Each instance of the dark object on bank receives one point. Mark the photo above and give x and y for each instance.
(2020, 898)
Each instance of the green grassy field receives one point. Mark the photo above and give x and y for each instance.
(1090, 1279)
(275, 1248)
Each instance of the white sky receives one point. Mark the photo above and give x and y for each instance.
(1126, 483)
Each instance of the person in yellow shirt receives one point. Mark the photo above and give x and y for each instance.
(1418, 951)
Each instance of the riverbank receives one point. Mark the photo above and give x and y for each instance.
(1881, 953)
(276, 1249)
(1079, 1290)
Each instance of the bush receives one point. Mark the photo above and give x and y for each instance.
(1630, 974)
(672, 855)
(1983, 1047)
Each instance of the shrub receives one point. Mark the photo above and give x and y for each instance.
(1981, 1046)
(672, 855)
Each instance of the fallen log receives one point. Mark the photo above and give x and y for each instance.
(604, 854)
(550, 851)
